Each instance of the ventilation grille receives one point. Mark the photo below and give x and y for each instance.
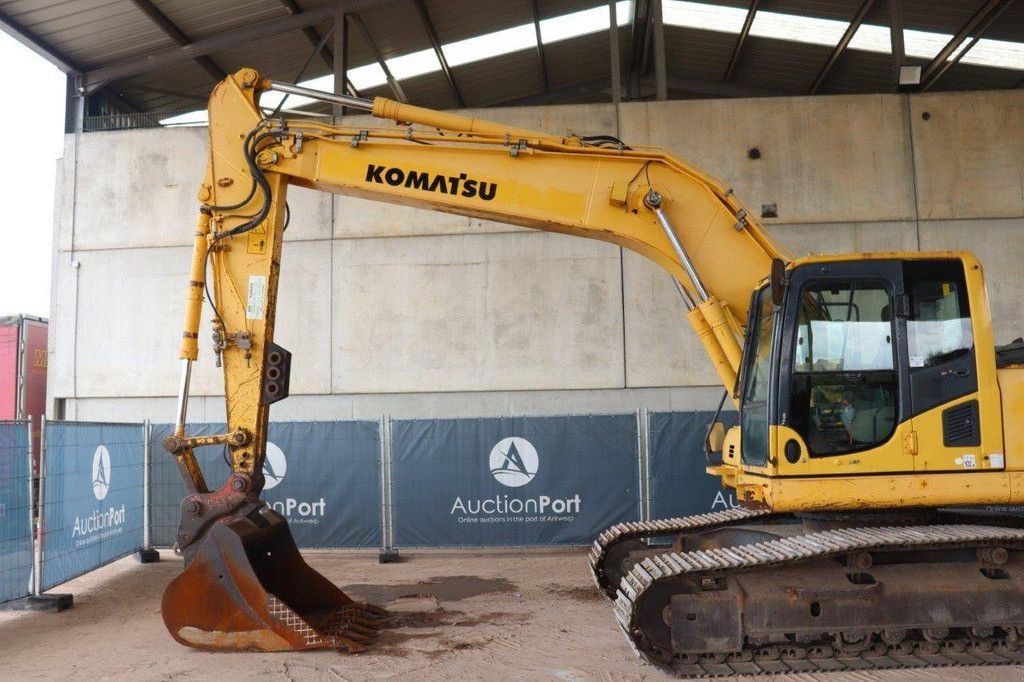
(960, 425)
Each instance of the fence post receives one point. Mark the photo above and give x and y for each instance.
(146, 555)
(388, 552)
(644, 432)
(641, 485)
(38, 601)
(33, 535)
(37, 559)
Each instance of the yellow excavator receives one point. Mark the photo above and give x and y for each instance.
(874, 407)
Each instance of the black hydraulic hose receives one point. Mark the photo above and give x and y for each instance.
(252, 189)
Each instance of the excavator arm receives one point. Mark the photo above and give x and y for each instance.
(643, 199)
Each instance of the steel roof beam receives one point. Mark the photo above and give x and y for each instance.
(744, 32)
(614, 67)
(435, 42)
(896, 39)
(658, 28)
(178, 36)
(74, 111)
(339, 62)
(159, 59)
(540, 46)
(639, 36)
(37, 45)
(692, 85)
(145, 87)
(312, 35)
(555, 95)
(396, 88)
(717, 89)
(977, 24)
(840, 47)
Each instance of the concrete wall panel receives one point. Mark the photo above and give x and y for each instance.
(476, 312)
(661, 348)
(417, 405)
(138, 189)
(130, 312)
(823, 159)
(64, 205)
(969, 154)
(808, 238)
(60, 371)
(999, 244)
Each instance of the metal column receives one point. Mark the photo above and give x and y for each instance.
(37, 560)
(660, 78)
(340, 50)
(388, 551)
(147, 555)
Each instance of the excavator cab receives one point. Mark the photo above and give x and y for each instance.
(870, 365)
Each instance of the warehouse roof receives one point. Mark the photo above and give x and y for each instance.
(163, 56)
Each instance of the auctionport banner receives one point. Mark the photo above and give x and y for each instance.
(15, 527)
(679, 484)
(324, 477)
(513, 481)
(93, 497)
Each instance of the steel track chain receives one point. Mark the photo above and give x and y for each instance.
(635, 530)
(815, 545)
(956, 652)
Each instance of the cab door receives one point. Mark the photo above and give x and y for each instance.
(844, 390)
(943, 369)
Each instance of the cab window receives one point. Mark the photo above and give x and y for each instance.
(756, 379)
(939, 326)
(844, 383)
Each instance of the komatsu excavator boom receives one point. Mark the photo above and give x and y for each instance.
(871, 397)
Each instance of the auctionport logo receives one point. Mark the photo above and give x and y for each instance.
(514, 462)
(99, 524)
(101, 473)
(275, 466)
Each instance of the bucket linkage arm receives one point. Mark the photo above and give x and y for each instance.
(245, 585)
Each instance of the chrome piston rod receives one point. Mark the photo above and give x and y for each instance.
(343, 100)
(186, 377)
(653, 201)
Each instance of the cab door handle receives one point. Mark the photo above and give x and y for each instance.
(954, 372)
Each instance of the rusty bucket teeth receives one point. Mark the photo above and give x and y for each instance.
(247, 588)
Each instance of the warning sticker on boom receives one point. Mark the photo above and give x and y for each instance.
(257, 297)
(257, 244)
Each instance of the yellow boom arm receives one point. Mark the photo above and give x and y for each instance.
(643, 199)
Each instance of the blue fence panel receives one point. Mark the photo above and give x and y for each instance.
(679, 484)
(513, 481)
(15, 525)
(324, 477)
(93, 497)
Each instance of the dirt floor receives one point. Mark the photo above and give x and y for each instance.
(463, 615)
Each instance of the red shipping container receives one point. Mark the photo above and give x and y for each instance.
(23, 362)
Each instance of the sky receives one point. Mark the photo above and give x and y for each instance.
(32, 116)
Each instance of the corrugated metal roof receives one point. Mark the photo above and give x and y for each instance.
(780, 66)
(690, 53)
(98, 33)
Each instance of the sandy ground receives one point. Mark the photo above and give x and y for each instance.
(467, 616)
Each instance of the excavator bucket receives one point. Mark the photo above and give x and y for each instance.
(246, 588)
